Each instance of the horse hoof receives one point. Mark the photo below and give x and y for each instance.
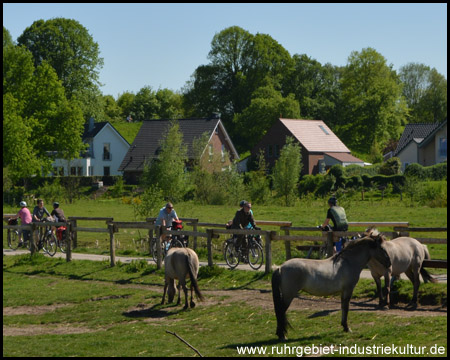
(192, 304)
(412, 305)
(347, 329)
(185, 307)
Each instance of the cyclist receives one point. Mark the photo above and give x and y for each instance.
(39, 211)
(338, 216)
(165, 218)
(58, 214)
(25, 218)
(243, 219)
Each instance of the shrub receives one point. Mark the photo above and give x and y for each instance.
(391, 167)
(415, 170)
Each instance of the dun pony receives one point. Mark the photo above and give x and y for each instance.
(179, 264)
(337, 274)
(407, 255)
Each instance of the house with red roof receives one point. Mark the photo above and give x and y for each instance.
(320, 147)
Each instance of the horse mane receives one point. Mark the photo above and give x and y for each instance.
(351, 245)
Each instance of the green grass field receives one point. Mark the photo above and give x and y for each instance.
(82, 308)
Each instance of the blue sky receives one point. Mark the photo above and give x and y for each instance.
(160, 45)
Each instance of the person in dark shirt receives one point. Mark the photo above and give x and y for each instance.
(242, 219)
(39, 211)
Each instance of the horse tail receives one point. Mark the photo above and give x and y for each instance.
(425, 274)
(194, 283)
(278, 303)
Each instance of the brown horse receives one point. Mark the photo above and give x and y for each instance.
(179, 264)
(337, 274)
(407, 255)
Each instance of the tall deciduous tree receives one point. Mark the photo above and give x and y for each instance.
(374, 109)
(168, 170)
(37, 117)
(69, 48)
(425, 91)
(266, 107)
(286, 173)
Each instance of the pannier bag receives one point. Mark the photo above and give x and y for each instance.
(61, 232)
(177, 225)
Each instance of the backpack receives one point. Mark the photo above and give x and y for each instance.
(61, 232)
(177, 225)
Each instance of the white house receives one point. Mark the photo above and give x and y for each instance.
(105, 153)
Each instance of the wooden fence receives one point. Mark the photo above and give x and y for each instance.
(213, 230)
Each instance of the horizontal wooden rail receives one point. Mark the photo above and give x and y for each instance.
(90, 218)
(441, 264)
(422, 229)
(379, 223)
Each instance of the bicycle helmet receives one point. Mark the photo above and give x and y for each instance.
(56, 204)
(242, 203)
(332, 201)
(23, 204)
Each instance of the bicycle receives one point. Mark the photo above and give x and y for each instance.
(178, 241)
(48, 240)
(14, 235)
(338, 246)
(248, 251)
(62, 238)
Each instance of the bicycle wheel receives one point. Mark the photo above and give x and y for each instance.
(13, 241)
(231, 254)
(255, 255)
(50, 244)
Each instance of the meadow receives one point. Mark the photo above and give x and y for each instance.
(85, 308)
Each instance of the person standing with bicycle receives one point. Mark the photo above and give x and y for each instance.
(25, 219)
(165, 218)
(39, 211)
(338, 216)
(243, 219)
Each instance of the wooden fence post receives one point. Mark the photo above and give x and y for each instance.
(287, 245)
(194, 227)
(75, 234)
(33, 241)
(209, 246)
(112, 246)
(69, 242)
(330, 243)
(158, 247)
(268, 239)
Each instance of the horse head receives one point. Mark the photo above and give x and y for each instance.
(380, 254)
(371, 231)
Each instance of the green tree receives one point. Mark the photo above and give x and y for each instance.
(425, 91)
(69, 48)
(374, 107)
(266, 107)
(145, 105)
(168, 170)
(36, 116)
(286, 172)
(125, 103)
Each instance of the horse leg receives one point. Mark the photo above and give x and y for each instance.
(415, 279)
(381, 302)
(179, 293)
(346, 295)
(165, 290)
(192, 304)
(387, 287)
(183, 285)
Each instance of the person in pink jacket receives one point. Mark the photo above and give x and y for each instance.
(25, 218)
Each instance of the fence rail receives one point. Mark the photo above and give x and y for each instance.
(214, 230)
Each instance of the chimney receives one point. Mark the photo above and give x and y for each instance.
(215, 115)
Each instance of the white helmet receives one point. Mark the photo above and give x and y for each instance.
(23, 204)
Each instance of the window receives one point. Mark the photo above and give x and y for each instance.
(61, 171)
(106, 170)
(223, 153)
(80, 171)
(73, 170)
(324, 130)
(443, 147)
(90, 170)
(106, 151)
(269, 151)
(276, 151)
